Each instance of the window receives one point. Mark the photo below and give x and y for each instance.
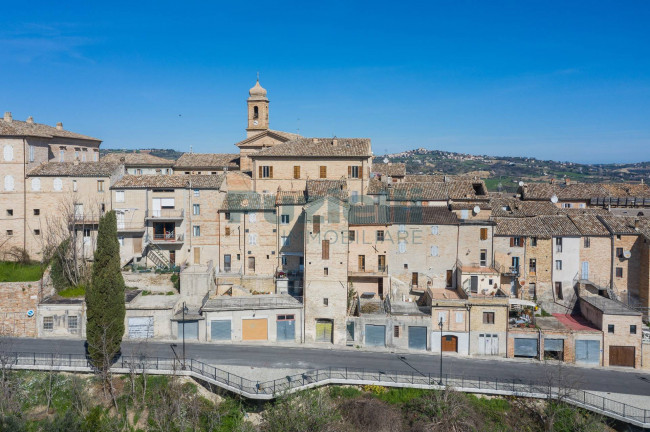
(138, 171)
(488, 317)
(532, 266)
(83, 156)
(618, 236)
(441, 317)
(48, 323)
(285, 260)
(266, 171)
(36, 184)
(252, 217)
(74, 186)
(323, 171)
(31, 153)
(515, 241)
(316, 222)
(8, 153)
(619, 272)
(326, 271)
(252, 239)
(9, 183)
(353, 172)
(632, 329)
(326, 302)
(296, 171)
(100, 185)
(284, 219)
(325, 249)
(610, 328)
(196, 209)
(484, 233)
(61, 155)
(197, 192)
(380, 235)
(10, 212)
(558, 244)
(558, 264)
(396, 331)
(37, 232)
(119, 196)
(567, 205)
(120, 240)
(76, 154)
(256, 112)
(434, 229)
(227, 231)
(10, 232)
(587, 242)
(459, 317)
(558, 290)
(227, 215)
(196, 230)
(381, 263)
(95, 156)
(483, 258)
(619, 252)
(73, 322)
(533, 241)
(434, 250)
(284, 240)
(37, 212)
(361, 262)
(406, 266)
(352, 235)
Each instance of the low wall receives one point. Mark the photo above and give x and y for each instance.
(16, 299)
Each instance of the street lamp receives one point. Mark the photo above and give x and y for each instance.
(440, 325)
(184, 312)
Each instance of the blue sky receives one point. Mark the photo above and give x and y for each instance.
(554, 80)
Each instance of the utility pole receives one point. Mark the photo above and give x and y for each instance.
(440, 325)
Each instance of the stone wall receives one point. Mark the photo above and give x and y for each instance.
(17, 298)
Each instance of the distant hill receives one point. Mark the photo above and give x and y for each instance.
(163, 153)
(508, 171)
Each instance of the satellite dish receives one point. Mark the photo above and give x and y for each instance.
(386, 160)
(477, 209)
(554, 199)
(627, 254)
(521, 183)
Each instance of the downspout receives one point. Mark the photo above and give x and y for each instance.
(24, 195)
(191, 213)
(454, 277)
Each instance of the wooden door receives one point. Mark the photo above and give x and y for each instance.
(362, 263)
(450, 278)
(197, 255)
(621, 356)
(254, 329)
(251, 264)
(450, 343)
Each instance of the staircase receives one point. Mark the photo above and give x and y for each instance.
(156, 255)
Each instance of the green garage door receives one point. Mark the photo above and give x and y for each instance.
(220, 330)
(375, 335)
(418, 338)
(324, 330)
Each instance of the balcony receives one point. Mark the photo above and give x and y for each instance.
(130, 227)
(380, 271)
(165, 214)
(167, 238)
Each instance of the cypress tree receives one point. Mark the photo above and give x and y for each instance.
(105, 297)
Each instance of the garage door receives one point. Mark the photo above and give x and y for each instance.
(286, 327)
(525, 347)
(375, 335)
(191, 329)
(621, 356)
(418, 338)
(553, 349)
(140, 327)
(588, 351)
(488, 344)
(324, 331)
(449, 343)
(254, 329)
(220, 330)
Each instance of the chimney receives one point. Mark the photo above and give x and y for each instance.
(637, 223)
(335, 142)
(314, 140)
(8, 116)
(552, 181)
(567, 181)
(76, 161)
(30, 120)
(59, 126)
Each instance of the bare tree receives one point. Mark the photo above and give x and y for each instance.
(10, 400)
(103, 369)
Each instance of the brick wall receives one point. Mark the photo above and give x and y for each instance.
(17, 299)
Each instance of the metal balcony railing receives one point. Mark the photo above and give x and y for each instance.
(165, 214)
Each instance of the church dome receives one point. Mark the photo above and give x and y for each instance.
(257, 90)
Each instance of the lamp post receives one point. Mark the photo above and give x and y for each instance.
(440, 325)
(184, 311)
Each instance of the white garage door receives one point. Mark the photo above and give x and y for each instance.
(140, 327)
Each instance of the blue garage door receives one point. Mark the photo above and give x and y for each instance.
(286, 325)
(588, 351)
(220, 330)
(191, 330)
(418, 338)
(375, 335)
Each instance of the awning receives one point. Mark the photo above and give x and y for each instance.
(521, 302)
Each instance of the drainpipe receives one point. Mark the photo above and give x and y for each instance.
(24, 195)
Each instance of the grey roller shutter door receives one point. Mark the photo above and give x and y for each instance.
(375, 335)
(418, 338)
(525, 347)
(286, 330)
(220, 330)
(191, 329)
(588, 351)
(553, 344)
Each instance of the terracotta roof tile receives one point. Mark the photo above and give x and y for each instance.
(21, 128)
(137, 159)
(207, 161)
(320, 188)
(73, 169)
(526, 227)
(318, 147)
(170, 181)
(584, 191)
(243, 201)
(407, 215)
(437, 191)
(390, 169)
(290, 198)
(589, 225)
(513, 207)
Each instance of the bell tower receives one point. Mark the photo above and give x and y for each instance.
(258, 110)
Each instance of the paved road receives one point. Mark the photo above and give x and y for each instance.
(303, 358)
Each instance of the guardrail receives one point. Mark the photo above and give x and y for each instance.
(314, 378)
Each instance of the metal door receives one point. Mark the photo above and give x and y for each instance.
(286, 329)
(324, 331)
(191, 330)
(375, 335)
(140, 327)
(474, 283)
(418, 338)
(255, 329)
(220, 330)
(526, 348)
(588, 351)
(488, 344)
(585, 270)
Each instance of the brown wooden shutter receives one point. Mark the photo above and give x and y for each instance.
(512, 241)
(227, 231)
(296, 171)
(326, 249)
(484, 233)
(316, 224)
(271, 172)
(360, 171)
(349, 171)
(323, 172)
(260, 171)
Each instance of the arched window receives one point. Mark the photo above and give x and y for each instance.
(256, 112)
(36, 184)
(58, 184)
(9, 183)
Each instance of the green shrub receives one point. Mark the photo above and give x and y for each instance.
(71, 292)
(16, 272)
(344, 392)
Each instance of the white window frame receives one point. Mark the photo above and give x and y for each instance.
(196, 209)
(284, 219)
(119, 196)
(196, 230)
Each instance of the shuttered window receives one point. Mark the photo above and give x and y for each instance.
(325, 245)
(266, 171)
(353, 171)
(316, 222)
(323, 171)
(488, 317)
(484, 233)
(296, 171)
(227, 231)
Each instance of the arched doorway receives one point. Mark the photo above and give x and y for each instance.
(449, 343)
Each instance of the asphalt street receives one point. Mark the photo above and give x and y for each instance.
(305, 358)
